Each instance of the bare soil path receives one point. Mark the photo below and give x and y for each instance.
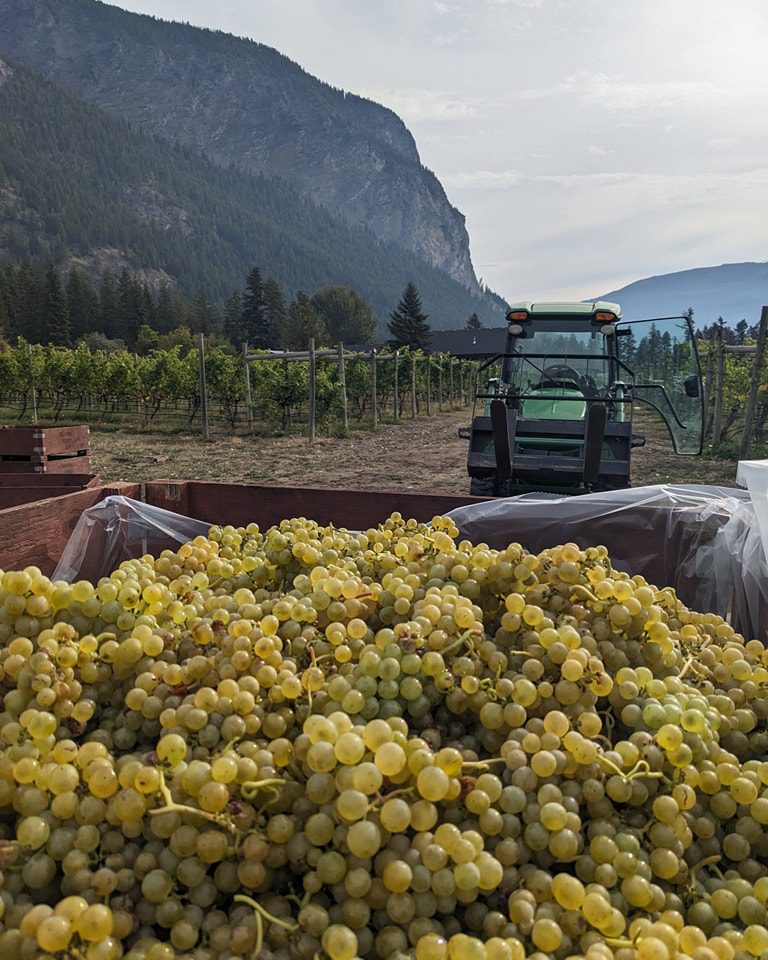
(423, 455)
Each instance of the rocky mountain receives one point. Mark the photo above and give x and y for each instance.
(78, 185)
(245, 104)
(733, 291)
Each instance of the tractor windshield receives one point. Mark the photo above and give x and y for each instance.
(562, 347)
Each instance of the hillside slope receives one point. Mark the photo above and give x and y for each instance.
(76, 182)
(244, 103)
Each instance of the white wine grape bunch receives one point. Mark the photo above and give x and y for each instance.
(308, 743)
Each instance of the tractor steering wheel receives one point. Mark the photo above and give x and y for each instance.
(561, 371)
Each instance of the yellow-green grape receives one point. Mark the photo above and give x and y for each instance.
(339, 942)
(53, 934)
(172, 749)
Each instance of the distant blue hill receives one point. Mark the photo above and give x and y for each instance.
(733, 291)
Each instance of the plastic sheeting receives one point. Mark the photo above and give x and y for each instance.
(704, 541)
(118, 528)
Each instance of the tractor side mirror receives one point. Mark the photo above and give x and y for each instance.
(691, 386)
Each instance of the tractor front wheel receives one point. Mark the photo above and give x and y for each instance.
(481, 487)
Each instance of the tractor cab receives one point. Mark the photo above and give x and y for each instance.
(556, 407)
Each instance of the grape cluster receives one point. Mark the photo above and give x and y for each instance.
(309, 742)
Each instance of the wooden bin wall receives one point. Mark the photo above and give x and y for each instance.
(36, 533)
(16, 488)
(240, 504)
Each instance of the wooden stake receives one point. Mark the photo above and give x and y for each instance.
(396, 357)
(203, 387)
(429, 386)
(312, 396)
(32, 388)
(248, 395)
(374, 398)
(754, 386)
(717, 416)
(343, 390)
(413, 386)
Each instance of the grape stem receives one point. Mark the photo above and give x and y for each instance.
(641, 769)
(172, 807)
(261, 912)
(481, 764)
(250, 788)
(583, 591)
(464, 638)
(705, 862)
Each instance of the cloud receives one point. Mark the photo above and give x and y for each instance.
(448, 39)
(420, 104)
(661, 188)
(526, 4)
(723, 143)
(616, 93)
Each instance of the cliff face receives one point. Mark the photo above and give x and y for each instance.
(244, 103)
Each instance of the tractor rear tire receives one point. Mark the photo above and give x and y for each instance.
(482, 486)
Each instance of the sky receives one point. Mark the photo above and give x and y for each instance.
(589, 143)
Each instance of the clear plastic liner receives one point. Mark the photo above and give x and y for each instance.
(117, 529)
(704, 541)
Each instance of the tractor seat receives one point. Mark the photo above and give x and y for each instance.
(556, 400)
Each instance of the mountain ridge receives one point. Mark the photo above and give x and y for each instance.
(253, 107)
(80, 185)
(734, 291)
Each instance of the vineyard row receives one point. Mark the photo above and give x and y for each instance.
(212, 388)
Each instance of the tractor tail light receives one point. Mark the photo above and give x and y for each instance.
(603, 316)
(516, 315)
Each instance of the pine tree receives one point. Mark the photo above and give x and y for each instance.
(233, 320)
(275, 309)
(131, 314)
(742, 329)
(254, 325)
(55, 325)
(302, 323)
(408, 324)
(474, 322)
(170, 312)
(203, 315)
(83, 304)
(108, 307)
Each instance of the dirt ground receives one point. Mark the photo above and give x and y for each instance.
(423, 455)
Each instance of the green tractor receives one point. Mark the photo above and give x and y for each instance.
(555, 411)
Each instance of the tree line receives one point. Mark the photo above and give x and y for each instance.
(45, 306)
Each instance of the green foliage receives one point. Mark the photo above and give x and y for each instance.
(474, 322)
(347, 317)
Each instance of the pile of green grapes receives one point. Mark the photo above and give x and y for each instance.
(312, 743)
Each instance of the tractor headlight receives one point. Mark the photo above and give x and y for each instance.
(608, 329)
(515, 329)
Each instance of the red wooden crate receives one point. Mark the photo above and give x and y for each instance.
(45, 449)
